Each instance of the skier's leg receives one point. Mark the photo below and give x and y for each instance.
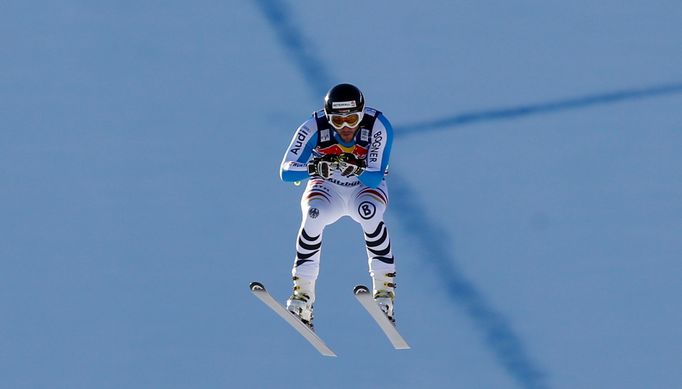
(369, 207)
(320, 206)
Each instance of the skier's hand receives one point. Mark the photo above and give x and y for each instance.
(350, 165)
(321, 168)
(349, 170)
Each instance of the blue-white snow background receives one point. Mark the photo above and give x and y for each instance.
(537, 228)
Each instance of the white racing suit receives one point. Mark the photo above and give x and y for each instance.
(364, 198)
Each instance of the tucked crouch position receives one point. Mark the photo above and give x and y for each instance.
(344, 150)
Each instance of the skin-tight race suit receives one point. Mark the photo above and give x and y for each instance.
(364, 198)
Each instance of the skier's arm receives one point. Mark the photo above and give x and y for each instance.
(294, 165)
(379, 152)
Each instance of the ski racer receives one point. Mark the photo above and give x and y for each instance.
(344, 150)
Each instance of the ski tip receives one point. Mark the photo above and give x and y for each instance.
(256, 286)
(360, 289)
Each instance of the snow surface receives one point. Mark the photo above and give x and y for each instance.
(536, 193)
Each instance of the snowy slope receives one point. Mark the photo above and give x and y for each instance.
(538, 248)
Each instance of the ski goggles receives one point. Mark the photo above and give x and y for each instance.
(338, 120)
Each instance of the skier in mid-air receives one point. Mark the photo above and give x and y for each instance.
(344, 149)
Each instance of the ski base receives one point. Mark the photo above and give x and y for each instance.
(365, 298)
(259, 291)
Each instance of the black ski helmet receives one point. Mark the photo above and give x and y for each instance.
(343, 99)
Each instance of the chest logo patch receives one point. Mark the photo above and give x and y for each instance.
(364, 135)
(325, 135)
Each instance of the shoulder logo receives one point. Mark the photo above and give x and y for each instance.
(299, 139)
(376, 146)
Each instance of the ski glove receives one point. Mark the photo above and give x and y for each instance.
(321, 168)
(350, 166)
(349, 170)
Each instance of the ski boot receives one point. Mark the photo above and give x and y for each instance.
(384, 293)
(301, 301)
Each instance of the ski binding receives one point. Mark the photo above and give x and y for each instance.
(365, 298)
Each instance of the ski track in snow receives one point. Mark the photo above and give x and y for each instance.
(575, 103)
(498, 334)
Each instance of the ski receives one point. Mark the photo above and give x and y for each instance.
(365, 298)
(259, 291)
